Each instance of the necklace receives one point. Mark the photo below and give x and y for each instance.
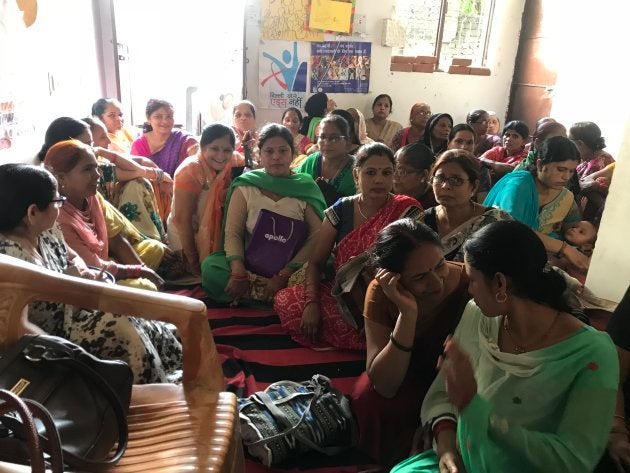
(525, 348)
(359, 206)
(338, 169)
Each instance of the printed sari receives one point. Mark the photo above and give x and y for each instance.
(289, 302)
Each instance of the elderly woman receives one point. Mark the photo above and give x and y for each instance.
(494, 124)
(455, 179)
(418, 117)
(28, 232)
(275, 189)
(523, 385)
(244, 127)
(109, 111)
(479, 121)
(201, 184)
(166, 146)
(539, 197)
(414, 302)
(331, 166)
(411, 177)
(309, 312)
(379, 127)
(92, 227)
(436, 132)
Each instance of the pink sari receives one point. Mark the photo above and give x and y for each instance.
(289, 302)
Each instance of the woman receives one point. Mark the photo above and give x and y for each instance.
(353, 142)
(244, 127)
(414, 302)
(455, 179)
(411, 177)
(478, 120)
(360, 127)
(331, 166)
(589, 141)
(418, 117)
(379, 127)
(494, 124)
(292, 119)
(309, 312)
(166, 146)
(109, 111)
(316, 107)
(94, 228)
(28, 232)
(502, 159)
(523, 386)
(129, 188)
(539, 198)
(436, 132)
(544, 130)
(201, 185)
(275, 188)
(462, 136)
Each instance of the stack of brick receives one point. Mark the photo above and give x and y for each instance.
(464, 66)
(413, 64)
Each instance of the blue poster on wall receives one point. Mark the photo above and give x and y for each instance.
(341, 67)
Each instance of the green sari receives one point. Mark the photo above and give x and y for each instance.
(215, 269)
(537, 412)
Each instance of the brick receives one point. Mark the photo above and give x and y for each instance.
(479, 71)
(401, 67)
(460, 61)
(403, 59)
(425, 60)
(423, 67)
(459, 70)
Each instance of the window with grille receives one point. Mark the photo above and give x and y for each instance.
(446, 29)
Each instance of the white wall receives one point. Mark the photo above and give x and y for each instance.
(454, 94)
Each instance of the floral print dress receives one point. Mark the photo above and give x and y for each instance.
(152, 349)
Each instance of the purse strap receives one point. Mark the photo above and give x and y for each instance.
(291, 429)
(28, 410)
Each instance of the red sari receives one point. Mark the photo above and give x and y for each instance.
(289, 302)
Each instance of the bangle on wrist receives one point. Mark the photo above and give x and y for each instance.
(560, 252)
(399, 345)
(442, 425)
(239, 276)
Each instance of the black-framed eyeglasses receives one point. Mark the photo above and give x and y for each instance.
(59, 201)
(453, 181)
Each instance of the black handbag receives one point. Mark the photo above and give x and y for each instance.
(86, 397)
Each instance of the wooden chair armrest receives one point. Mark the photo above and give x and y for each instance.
(22, 283)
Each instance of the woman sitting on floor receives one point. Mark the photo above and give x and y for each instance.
(523, 385)
(292, 119)
(331, 166)
(462, 136)
(309, 312)
(244, 127)
(360, 127)
(109, 111)
(316, 106)
(455, 178)
(436, 132)
(418, 118)
(225, 274)
(93, 228)
(411, 177)
(379, 127)
(201, 184)
(412, 305)
(484, 141)
(28, 232)
(544, 130)
(539, 198)
(503, 159)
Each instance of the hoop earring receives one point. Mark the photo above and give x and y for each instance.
(500, 297)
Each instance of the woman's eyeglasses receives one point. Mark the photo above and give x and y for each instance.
(59, 201)
(453, 181)
(422, 113)
(331, 138)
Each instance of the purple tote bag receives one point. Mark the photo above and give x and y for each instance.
(274, 242)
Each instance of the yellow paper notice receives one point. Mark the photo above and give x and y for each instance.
(331, 15)
(286, 20)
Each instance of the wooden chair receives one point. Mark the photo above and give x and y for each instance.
(187, 427)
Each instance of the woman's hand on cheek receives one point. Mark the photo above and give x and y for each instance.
(396, 292)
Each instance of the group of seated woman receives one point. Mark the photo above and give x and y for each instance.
(281, 215)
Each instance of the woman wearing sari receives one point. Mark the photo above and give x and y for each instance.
(503, 159)
(309, 312)
(436, 132)
(479, 120)
(109, 111)
(418, 117)
(93, 228)
(165, 146)
(201, 184)
(539, 197)
(316, 107)
(292, 120)
(379, 127)
(524, 386)
(589, 141)
(28, 231)
(413, 168)
(274, 188)
(331, 166)
(455, 178)
(360, 128)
